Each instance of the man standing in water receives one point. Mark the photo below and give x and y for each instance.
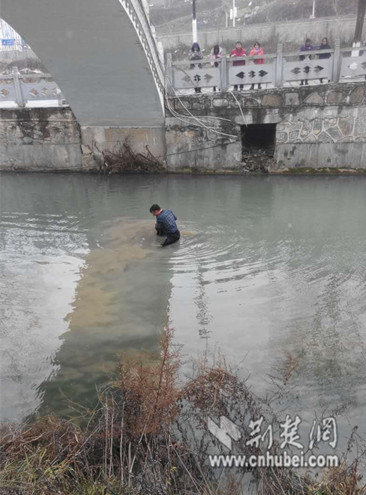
(165, 224)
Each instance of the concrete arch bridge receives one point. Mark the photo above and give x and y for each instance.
(104, 57)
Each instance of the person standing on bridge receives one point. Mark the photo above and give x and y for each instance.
(324, 46)
(238, 51)
(165, 224)
(195, 54)
(308, 47)
(215, 55)
(255, 51)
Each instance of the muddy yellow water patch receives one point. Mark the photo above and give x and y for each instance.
(97, 300)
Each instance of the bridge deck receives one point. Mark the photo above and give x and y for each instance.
(96, 57)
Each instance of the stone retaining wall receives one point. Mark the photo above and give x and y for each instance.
(50, 139)
(317, 127)
(39, 139)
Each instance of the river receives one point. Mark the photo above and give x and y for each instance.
(270, 273)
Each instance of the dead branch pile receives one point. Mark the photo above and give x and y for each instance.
(124, 160)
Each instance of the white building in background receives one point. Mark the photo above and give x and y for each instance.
(9, 38)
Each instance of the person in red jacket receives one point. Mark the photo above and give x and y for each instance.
(238, 51)
(255, 51)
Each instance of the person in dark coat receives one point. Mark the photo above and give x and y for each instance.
(325, 45)
(165, 224)
(308, 47)
(215, 55)
(195, 54)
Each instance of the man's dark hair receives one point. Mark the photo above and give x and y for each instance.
(155, 208)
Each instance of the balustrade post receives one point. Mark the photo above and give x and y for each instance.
(60, 98)
(169, 76)
(279, 67)
(19, 98)
(337, 61)
(223, 74)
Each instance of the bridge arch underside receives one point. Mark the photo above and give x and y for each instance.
(92, 50)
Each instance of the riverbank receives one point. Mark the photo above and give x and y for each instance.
(324, 171)
(294, 130)
(308, 130)
(151, 435)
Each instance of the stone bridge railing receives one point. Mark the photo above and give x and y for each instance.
(138, 16)
(274, 70)
(23, 89)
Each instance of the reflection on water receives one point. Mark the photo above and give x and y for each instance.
(37, 285)
(270, 270)
(106, 319)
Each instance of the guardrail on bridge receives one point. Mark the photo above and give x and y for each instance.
(269, 70)
(23, 89)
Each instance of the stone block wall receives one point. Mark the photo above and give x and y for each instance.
(326, 129)
(39, 139)
(51, 139)
(317, 127)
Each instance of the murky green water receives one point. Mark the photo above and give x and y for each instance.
(270, 271)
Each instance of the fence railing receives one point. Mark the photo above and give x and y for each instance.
(272, 70)
(277, 70)
(21, 89)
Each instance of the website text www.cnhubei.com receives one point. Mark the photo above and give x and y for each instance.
(283, 460)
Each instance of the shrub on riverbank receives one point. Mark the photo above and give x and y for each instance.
(149, 436)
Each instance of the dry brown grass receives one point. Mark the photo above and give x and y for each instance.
(149, 436)
(150, 391)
